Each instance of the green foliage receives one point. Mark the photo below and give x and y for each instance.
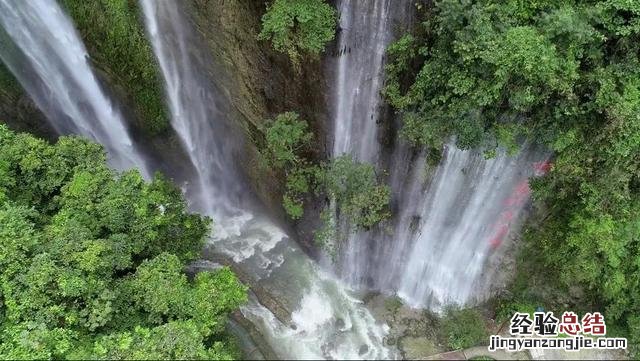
(114, 34)
(393, 304)
(327, 234)
(355, 189)
(463, 328)
(8, 82)
(175, 340)
(286, 137)
(562, 73)
(297, 27)
(506, 310)
(91, 261)
(351, 185)
(476, 74)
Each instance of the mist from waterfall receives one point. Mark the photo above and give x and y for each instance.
(450, 222)
(326, 321)
(45, 53)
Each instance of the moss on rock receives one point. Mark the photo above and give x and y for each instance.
(114, 34)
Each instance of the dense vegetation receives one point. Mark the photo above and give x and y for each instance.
(91, 262)
(462, 328)
(114, 33)
(298, 27)
(353, 187)
(565, 73)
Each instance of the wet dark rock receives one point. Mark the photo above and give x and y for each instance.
(262, 347)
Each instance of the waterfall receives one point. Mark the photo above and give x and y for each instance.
(363, 38)
(43, 50)
(365, 31)
(449, 223)
(453, 223)
(327, 321)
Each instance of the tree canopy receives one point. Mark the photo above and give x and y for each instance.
(91, 261)
(298, 27)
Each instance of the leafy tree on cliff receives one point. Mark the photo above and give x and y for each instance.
(353, 186)
(298, 27)
(91, 262)
(565, 73)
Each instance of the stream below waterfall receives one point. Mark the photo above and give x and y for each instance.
(341, 327)
(452, 219)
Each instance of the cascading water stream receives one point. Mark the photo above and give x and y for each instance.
(454, 223)
(327, 321)
(451, 223)
(44, 52)
(362, 41)
(448, 225)
(365, 31)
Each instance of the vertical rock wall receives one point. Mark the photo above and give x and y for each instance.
(260, 83)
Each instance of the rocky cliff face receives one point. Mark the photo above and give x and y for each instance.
(18, 111)
(259, 83)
